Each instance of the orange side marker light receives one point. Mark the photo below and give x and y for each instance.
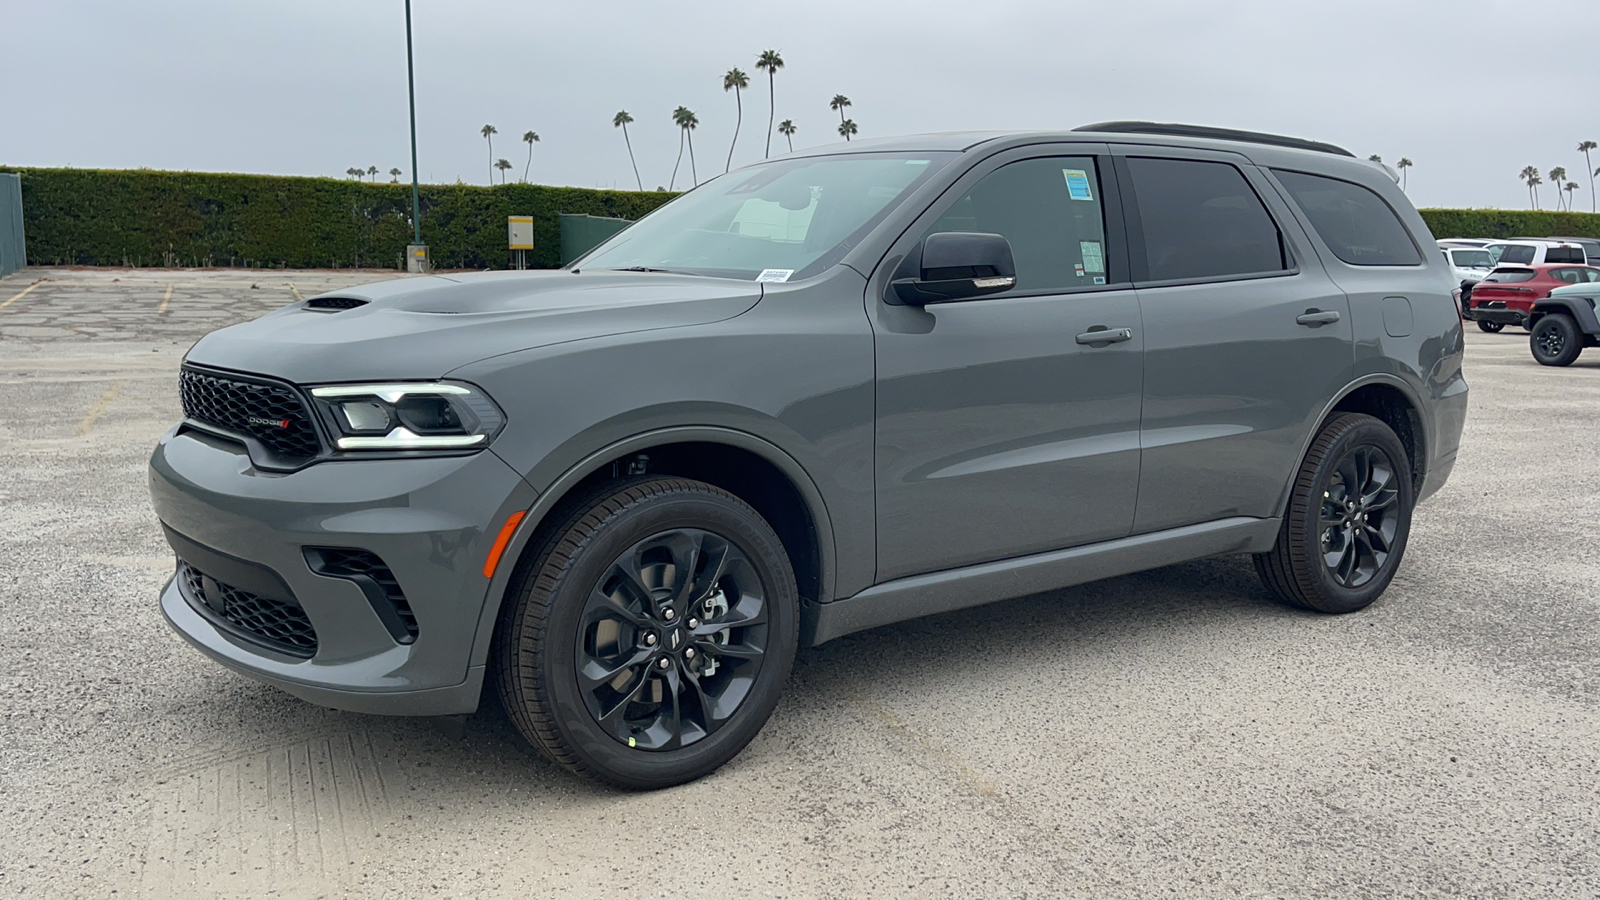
(500, 543)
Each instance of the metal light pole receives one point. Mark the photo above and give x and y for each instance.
(417, 252)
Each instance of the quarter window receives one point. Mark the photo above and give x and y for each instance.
(1202, 220)
(1355, 223)
(1050, 211)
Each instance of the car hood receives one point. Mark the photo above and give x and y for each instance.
(425, 327)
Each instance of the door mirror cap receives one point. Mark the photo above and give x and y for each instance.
(957, 265)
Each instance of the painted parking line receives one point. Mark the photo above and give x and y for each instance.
(165, 300)
(87, 425)
(296, 291)
(23, 294)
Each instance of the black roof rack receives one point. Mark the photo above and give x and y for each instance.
(1221, 134)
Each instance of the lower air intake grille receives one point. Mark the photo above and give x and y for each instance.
(274, 623)
(383, 591)
(272, 413)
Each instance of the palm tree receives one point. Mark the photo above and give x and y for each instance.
(502, 165)
(530, 138)
(354, 172)
(838, 103)
(787, 129)
(735, 81)
(488, 133)
(373, 171)
(1571, 186)
(1404, 164)
(394, 176)
(621, 120)
(1584, 148)
(847, 128)
(770, 62)
(1375, 158)
(1558, 177)
(687, 121)
(1530, 174)
(677, 119)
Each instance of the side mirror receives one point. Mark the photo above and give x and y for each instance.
(957, 265)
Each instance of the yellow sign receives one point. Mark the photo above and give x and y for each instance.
(520, 230)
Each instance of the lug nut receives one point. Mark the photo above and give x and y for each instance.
(650, 640)
(693, 622)
(664, 663)
(668, 614)
(689, 653)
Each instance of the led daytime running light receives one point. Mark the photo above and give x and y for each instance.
(390, 392)
(402, 438)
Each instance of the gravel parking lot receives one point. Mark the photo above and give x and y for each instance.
(1171, 733)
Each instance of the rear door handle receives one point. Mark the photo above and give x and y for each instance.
(1315, 318)
(1099, 336)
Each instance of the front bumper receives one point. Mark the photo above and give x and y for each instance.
(431, 520)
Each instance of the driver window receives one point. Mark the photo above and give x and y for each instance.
(1050, 211)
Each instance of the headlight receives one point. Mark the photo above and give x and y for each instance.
(408, 416)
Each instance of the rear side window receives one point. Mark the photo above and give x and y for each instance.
(1565, 255)
(1202, 220)
(1516, 254)
(1050, 211)
(1510, 276)
(1355, 223)
(1576, 275)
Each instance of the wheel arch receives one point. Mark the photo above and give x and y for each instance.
(1577, 307)
(1392, 401)
(740, 463)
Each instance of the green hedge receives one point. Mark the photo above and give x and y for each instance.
(1504, 223)
(147, 218)
(144, 218)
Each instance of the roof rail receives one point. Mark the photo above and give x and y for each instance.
(1221, 134)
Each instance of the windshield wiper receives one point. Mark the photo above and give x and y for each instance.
(640, 269)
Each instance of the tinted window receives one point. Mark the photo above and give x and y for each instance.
(1049, 209)
(1521, 254)
(1565, 255)
(1202, 220)
(1510, 276)
(1576, 275)
(1353, 221)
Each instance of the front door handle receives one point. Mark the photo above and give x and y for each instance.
(1099, 336)
(1316, 318)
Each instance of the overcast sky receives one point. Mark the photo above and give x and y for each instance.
(313, 88)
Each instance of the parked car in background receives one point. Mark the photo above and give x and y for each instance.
(1591, 246)
(1468, 266)
(1564, 323)
(1464, 242)
(1507, 296)
(1535, 253)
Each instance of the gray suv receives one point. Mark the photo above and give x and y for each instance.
(829, 392)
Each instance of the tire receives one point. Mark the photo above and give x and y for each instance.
(1555, 340)
(1491, 327)
(601, 585)
(1306, 566)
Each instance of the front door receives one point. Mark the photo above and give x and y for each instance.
(999, 431)
(1244, 346)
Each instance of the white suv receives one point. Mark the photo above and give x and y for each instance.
(1534, 253)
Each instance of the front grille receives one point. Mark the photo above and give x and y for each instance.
(271, 413)
(344, 562)
(280, 625)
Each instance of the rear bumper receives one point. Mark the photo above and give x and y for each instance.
(1500, 314)
(431, 521)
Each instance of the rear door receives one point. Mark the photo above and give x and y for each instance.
(1246, 338)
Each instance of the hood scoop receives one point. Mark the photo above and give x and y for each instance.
(334, 304)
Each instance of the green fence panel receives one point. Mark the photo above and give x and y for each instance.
(581, 233)
(13, 254)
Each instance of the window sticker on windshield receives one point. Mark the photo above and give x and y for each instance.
(1099, 279)
(1077, 184)
(1094, 259)
(1077, 269)
(774, 275)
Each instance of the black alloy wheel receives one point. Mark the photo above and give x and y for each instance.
(1555, 340)
(648, 632)
(1491, 327)
(673, 639)
(1344, 533)
(1358, 518)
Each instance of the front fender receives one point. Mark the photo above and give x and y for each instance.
(1581, 309)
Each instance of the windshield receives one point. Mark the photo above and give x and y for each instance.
(1472, 259)
(777, 221)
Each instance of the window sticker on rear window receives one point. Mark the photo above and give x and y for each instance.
(1077, 184)
(1094, 259)
(771, 275)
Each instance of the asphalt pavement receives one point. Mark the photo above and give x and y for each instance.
(1173, 733)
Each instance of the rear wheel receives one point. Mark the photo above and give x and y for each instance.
(1555, 340)
(651, 635)
(1345, 531)
(1491, 327)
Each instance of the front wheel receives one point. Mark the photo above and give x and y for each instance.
(1555, 340)
(1348, 519)
(648, 639)
(1491, 327)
